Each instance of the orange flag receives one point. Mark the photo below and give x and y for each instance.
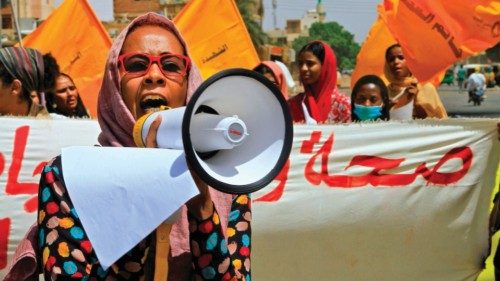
(77, 39)
(371, 56)
(436, 33)
(216, 36)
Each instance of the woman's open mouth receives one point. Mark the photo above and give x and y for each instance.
(153, 103)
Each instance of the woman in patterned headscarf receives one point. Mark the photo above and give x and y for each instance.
(148, 67)
(23, 79)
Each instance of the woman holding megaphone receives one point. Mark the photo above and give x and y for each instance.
(148, 68)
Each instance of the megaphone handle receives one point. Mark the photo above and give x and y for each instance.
(162, 250)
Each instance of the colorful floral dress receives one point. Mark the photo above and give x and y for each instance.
(340, 109)
(67, 253)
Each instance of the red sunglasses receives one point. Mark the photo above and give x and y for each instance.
(138, 64)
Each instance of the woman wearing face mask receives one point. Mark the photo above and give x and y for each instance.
(321, 101)
(370, 99)
(405, 91)
(148, 67)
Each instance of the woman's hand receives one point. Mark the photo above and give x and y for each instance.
(201, 206)
(411, 91)
(406, 96)
(153, 130)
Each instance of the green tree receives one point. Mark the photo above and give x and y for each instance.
(341, 41)
(259, 38)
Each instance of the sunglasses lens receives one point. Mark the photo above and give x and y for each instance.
(173, 65)
(136, 63)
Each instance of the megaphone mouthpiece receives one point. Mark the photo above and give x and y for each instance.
(216, 132)
(232, 147)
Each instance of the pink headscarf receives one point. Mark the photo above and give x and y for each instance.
(279, 76)
(117, 124)
(115, 119)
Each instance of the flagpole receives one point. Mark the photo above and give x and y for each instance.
(14, 6)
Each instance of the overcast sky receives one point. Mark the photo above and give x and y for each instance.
(356, 16)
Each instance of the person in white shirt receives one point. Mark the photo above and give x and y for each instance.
(476, 84)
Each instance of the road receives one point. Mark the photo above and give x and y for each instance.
(456, 103)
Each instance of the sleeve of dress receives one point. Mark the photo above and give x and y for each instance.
(214, 257)
(346, 114)
(341, 108)
(66, 250)
(428, 104)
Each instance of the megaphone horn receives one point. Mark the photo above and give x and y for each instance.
(236, 131)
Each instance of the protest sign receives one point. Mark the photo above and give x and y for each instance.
(379, 201)
(375, 201)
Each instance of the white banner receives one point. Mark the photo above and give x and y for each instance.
(25, 146)
(381, 201)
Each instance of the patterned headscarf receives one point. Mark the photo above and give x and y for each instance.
(25, 64)
(115, 119)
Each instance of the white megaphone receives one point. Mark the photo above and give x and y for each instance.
(236, 131)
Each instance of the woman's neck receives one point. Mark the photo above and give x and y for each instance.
(22, 108)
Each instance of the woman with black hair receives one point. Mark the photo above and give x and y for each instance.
(370, 99)
(64, 98)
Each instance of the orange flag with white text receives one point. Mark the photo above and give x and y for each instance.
(436, 33)
(371, 56)
(216, 36)
(77, 39)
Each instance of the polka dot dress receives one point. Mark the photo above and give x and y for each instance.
(66, 250)
(214, 257)
(67, 253)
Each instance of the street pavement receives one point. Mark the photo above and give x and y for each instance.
(456, 104)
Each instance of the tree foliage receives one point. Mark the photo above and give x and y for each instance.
(341, 41)
(259, 38)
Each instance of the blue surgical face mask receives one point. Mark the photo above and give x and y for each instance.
(365, 113)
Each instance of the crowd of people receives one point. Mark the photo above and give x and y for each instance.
(33, 85)
(149, 66)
